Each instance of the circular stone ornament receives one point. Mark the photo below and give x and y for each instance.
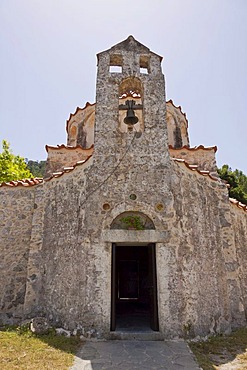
(159, 207)
(106, 207)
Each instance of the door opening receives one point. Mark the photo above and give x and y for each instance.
(134, 288)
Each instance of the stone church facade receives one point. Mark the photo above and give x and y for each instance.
(131, 228)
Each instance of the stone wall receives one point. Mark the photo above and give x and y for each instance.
(66, 275)
(35, 266)
(68, 279)
(195, 277)
(197, 298)
(17, 207)
(239, 260)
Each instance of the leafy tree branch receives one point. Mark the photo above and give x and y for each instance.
(237, 181)
(12, 167)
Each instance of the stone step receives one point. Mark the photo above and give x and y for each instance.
(131, 335)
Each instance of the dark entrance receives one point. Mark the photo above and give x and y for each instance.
(134, 288)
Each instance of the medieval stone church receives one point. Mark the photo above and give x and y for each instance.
(131, 229)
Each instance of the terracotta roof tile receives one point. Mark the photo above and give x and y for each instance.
(238, 204)
(25, 182)
(186, 147)
(81, 162)
(69, 168)
(57, 174)
(179, 107)
(70, 147)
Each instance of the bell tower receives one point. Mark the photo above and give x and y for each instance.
(130, 103)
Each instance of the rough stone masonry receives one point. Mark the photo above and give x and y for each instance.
(67, 251)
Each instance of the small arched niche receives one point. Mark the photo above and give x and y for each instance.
(131, 89)
(132, 220)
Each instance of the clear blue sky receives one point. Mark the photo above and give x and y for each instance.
(48, 65)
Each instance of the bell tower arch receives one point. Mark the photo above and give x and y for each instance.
(130, 101)
(131, 105)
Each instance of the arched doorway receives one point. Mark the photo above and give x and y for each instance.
(134, 285)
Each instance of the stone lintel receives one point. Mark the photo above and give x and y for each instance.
(134, 236)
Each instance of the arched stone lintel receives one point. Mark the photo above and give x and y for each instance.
(120, 208)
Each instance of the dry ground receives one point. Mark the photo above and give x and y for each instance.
(226, 352)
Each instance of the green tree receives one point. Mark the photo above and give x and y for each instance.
(237, 181)
(37, 168)
(12, 167)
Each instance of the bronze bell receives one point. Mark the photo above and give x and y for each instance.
(130, 118)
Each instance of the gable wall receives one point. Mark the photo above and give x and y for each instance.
(201, 264)
(195, 277)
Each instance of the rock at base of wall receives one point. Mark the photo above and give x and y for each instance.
(39, 325)
(61, 331)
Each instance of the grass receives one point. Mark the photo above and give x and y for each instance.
(222, 349)
(21, 349)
